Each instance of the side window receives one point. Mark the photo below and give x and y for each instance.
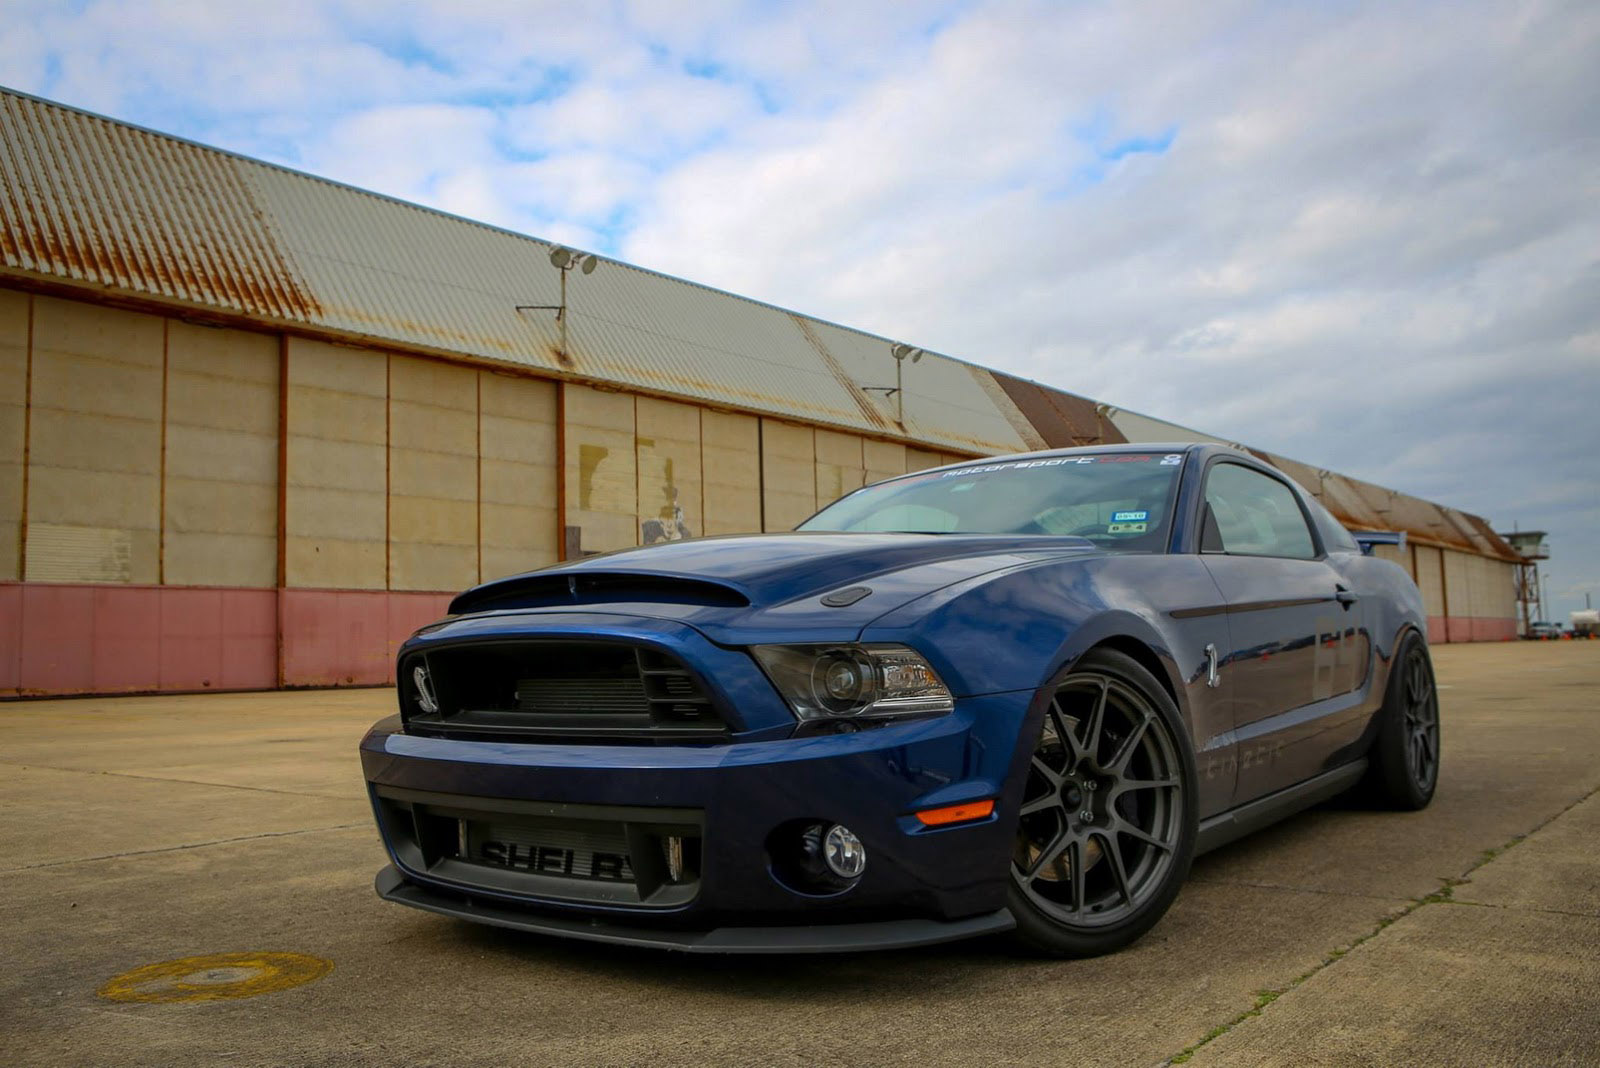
(1334, 536)
(1252, 514)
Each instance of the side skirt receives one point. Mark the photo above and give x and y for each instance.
(1247, 818)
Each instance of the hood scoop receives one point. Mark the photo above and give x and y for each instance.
(595, 587)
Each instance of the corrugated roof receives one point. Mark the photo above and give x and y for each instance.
(1137, 427)
(92, 201)
(88, 200)
(1062, 419)
(1363, 506)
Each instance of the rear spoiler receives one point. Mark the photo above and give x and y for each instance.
(1367, 539)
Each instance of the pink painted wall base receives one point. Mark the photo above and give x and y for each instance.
(83, 639)
(72, 639)
(350, 637)
(1443, 629)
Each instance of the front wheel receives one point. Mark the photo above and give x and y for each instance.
(1106, 827)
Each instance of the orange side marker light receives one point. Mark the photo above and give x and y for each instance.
(969, 810)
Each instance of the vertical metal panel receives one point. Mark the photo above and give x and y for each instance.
(883, 459)
(519, 449)
(789, 480)
(14, 313)
(220, 458)
(841, 465)
(730, 451)
(94, 453)
(668, 454)
(433, 475)
(602, 474)
(337, 481)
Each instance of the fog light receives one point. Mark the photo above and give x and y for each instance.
(811, 856)
(843, 852)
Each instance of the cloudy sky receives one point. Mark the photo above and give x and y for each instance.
(1364, 236)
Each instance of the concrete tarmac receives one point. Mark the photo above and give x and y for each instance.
(140, 830)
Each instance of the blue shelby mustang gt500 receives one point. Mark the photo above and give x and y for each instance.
(1009, 695)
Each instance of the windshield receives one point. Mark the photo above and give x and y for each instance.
(1122, 499)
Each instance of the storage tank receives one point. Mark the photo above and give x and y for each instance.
(1586, 624)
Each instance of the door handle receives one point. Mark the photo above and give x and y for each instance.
(1343, 595)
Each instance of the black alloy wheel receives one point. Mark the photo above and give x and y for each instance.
(1405, 758)
(1106, 824)
(1422, 720)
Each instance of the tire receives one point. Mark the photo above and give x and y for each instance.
(1113, 748)
(1404, 762)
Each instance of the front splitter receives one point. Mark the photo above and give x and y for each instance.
(822, 938)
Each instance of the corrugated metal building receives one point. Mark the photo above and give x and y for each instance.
(256, 426)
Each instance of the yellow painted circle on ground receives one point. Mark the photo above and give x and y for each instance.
(216, 977)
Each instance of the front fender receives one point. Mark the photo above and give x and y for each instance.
(1016, 629)
(1121, 627)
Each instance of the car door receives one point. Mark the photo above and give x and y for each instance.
(1292, 622)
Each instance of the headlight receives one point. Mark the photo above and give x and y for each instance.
(823, 682)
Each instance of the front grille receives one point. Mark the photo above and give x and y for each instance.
(557, 690)
(647, 857)
(551, 697)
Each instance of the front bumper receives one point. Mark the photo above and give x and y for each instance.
(921, 885)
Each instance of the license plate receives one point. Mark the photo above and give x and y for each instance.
(563, 852)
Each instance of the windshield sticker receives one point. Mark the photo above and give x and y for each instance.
(1172, 460)
(1054, 461)
(1128, 517)
(1127, 528)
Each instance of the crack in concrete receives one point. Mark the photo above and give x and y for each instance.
(179, 848)
(1440, 895)
(1251, 884)
(187, 782)
(1522, 908)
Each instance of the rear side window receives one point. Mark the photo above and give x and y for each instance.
(1334, 535)
(1252, 514)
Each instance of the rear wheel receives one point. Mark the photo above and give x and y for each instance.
(1405, 758)
(1106, 828)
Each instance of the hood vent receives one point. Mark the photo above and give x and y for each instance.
(595, 587)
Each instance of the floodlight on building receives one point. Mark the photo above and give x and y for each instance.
(901, 352)
(564, 259)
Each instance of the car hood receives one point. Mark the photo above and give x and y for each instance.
(767, 582)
